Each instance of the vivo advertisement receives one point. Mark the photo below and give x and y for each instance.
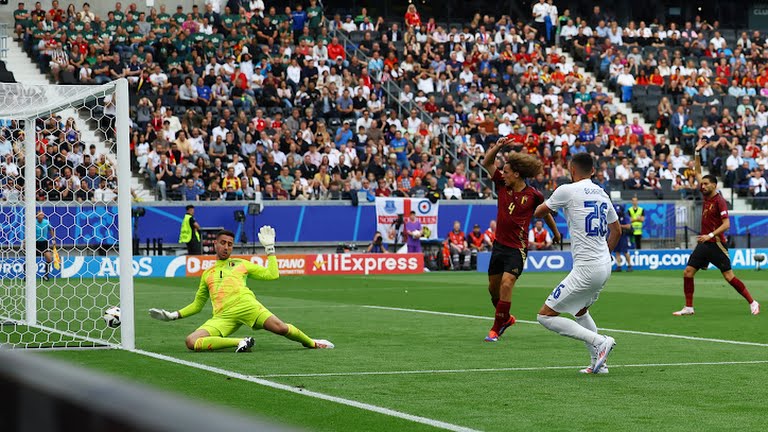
(672, 259)
(97, 225)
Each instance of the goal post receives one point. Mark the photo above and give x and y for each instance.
(65, 156)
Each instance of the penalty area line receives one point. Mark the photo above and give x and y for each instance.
(322, 396)
(510, 369)
(634, 332)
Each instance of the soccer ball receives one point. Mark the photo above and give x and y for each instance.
(416, 234)
(112, 317)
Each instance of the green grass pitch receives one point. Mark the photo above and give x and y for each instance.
(432, 365)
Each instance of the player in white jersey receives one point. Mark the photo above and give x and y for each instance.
(591, 216)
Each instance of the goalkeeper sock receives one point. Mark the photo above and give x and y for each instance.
(297, 335)
(570, 328)
(741, 289)
(212, 343)
(502, 315)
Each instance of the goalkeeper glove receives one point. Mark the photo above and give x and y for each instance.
(163, 315)
(267, 239)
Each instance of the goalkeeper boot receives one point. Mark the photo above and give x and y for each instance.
(684, 311)
(323, 344)
(245, 345)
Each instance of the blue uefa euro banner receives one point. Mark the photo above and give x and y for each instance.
(669, 259)
(97, 225)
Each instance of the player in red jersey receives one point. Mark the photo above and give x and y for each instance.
(516, 204)
(711, 242)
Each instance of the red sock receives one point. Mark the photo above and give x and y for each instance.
(495, 301)
(502, 315)
(688, 290)
(741, 289)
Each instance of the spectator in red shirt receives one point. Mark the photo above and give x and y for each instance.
(412, 17)
(336, 50)
(56, 13)
(383, 190)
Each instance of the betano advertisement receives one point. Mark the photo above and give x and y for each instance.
(671, 259)
(193, 266)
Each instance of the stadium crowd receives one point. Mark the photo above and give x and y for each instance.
(233, 98)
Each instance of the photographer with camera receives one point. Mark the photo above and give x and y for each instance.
(377, 245)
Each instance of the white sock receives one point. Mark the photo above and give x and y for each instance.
(588, 323)
(569, 328)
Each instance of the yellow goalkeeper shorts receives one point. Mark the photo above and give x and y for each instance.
(252, 314)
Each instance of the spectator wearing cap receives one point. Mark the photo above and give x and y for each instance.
(348, 25)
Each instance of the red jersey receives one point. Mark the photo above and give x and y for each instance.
(514, 213)
(456, 238)
(715, 209)
(491, 235)
(475, 239)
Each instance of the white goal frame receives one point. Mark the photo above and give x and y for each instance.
(119, 89)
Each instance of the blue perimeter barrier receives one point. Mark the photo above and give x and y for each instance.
(538, 261)
(90, 225)
(670, 259)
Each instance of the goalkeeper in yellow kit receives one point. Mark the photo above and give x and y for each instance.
(234, 304)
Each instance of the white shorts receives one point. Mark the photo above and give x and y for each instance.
(579, 289)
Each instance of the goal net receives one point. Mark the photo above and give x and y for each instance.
(65, 212)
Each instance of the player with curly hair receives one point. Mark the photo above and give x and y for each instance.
(516, 204)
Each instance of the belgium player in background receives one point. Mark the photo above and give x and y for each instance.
(711, 242)
(516, 204)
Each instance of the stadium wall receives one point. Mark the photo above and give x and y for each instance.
(294, 222)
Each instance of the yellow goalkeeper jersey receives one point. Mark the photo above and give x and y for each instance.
(225, 284)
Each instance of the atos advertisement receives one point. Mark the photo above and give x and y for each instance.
(99, 267)
(670, 259)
